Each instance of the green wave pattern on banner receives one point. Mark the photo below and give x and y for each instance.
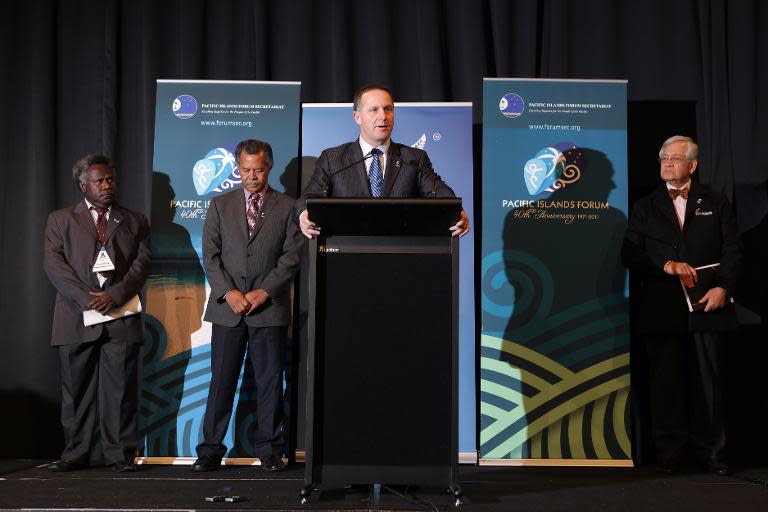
(174, 394)
(581, 415)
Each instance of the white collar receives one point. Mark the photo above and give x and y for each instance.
(687, 185)
(367, 147)
(263, 193)
(89, 205)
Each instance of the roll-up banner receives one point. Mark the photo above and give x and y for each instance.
(197, 127)
(444, 131)
(554, 356)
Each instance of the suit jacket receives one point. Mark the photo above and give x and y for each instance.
(70, 249)
(267, 260)
(340, 172)
(710, 235)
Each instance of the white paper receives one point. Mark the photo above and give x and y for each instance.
(93, 317)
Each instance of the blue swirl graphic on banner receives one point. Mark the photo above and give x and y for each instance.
(543, 170)
(213, 170)
(553, 168)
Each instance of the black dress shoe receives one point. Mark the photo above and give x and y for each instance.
(65, 465)
(272, 463)
(124, 466)
(718, 468)
(206, 463)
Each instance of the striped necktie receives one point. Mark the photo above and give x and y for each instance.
(375, 175)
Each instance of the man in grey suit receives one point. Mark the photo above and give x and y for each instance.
(251, 250)
(99, 363)
(374, 165)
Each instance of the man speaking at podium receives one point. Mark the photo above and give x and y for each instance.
(374, 165)
(673, 232)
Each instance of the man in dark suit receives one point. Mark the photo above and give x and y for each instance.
(251, 250)
(683, 225)
(99, 363)
(374, 165)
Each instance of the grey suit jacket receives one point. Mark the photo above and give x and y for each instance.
(267, 260)
(70, 249)
(340, 172)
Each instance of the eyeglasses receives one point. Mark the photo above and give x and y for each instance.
(675, 159)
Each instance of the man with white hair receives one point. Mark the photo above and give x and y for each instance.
(673, 232)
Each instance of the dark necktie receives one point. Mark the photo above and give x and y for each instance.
(674, 192)
(101, 224)
(252, 213)
(375, 175)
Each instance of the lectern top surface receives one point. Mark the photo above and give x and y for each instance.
(384, 216)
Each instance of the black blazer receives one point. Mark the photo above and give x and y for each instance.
(340, 172)
(710, 235)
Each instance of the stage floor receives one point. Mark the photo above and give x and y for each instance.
(25, 484)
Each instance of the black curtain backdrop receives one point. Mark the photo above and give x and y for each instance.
(79, 77)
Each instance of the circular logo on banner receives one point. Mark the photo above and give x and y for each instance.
(184, 106)
(511, 105)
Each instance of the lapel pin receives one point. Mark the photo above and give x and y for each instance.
(698, 201)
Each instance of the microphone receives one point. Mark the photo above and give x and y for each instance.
(327, 186)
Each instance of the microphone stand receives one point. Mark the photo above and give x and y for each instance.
(326, 187)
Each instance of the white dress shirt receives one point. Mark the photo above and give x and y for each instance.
(384, 148)
(680, 203)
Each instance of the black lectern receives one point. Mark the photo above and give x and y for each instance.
(382, 380)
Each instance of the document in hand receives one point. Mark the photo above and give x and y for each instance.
(707, 275)
(93, 317)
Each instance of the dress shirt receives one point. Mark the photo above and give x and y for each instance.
(679, 202)
(383, 157)
(94, 213)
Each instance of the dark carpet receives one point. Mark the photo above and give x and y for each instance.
(26, 485)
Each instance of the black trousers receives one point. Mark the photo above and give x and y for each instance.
(686, 395)
(99, 400)
(228, 345)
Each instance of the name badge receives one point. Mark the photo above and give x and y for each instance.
(103, 262)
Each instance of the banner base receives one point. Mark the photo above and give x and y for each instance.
(188, 461)
(464, 458)
(619, 463)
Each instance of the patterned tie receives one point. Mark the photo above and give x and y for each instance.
(101, 224)
(375, 174)
(252, 213)
(675, 192)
